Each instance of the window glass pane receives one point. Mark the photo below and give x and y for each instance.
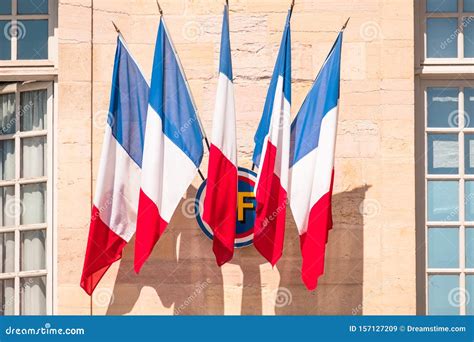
(32, 6)
(33, 296)
(33, 252)
(470, 249)
(443, 201)
(33, 199)
(469, 153)
(470, 293)
(7, 252)
(33, 157)
(442, 5)
(33, 39)
(7, 159)
(469, 200)
(5, 7)
(9, 206)
(442, 295)
(469, 107)
(443, 108)
(442, 35)
(5, 42)
(443, 247)
(7, 113)
(443, 154)
(468, 5)
(33, 110)
(7, 297)
(468, 37)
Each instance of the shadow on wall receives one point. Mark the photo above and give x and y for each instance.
(182, 278)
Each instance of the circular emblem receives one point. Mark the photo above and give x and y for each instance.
(245, 208)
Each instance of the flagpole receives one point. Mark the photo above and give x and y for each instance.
(345, 24)
(159, 8)
(119, 33)
(185, 78)
(291, 7)
(291, 12)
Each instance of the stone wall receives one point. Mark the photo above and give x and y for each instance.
(370, 267)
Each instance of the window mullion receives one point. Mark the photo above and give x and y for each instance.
(17, 202)
(462, 276)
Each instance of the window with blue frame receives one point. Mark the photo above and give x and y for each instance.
(24, 29)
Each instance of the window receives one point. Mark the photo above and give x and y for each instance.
(449, 194)
(26, 27)
(25, 206)
(448, 29)
(444, 155)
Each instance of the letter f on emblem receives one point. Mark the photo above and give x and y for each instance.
(242, 204)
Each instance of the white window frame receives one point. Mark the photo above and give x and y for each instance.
(437, 72)
(49, 272)
(52, 39)
(461, 177)
(437, 64)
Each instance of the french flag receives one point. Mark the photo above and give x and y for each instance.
(220, 203)
(271, 155)
(173, 147)
(313, 141)
(114, 211)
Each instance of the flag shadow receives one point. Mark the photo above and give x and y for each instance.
(179, 278)
(340, 289)
(182, 278)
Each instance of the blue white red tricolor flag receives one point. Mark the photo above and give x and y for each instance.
(114, 211)
(313, 141)
(173, 147)
(271, 155)
(220, 203)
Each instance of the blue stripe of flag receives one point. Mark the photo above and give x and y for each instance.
(128, 104)
(170, 98)
(282, 68)
(323, 96)
(225, 63)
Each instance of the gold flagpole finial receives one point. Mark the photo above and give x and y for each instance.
(345, 24)
(159, 8)
(116, 28)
